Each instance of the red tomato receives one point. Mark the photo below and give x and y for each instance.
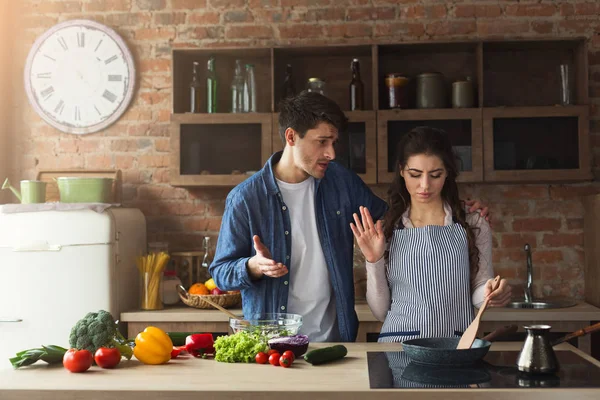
(261, 358)
(77, 360)
(274, 359)
(272, 352)
(285, 361)
(290, 354)
(107, 357)
(217, 291)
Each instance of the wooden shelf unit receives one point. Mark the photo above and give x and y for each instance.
(514, 81)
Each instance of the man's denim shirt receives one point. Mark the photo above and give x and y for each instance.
(255, 207)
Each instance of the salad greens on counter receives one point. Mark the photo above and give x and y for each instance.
(239, 347)
(244, 345)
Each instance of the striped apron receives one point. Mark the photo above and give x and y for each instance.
(429, 279)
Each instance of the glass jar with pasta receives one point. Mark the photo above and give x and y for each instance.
(151, 267)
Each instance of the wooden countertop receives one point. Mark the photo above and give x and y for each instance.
(580, 312)
(207, 379)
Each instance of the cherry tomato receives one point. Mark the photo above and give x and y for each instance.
(274, 359)
(272, 351)
(107, 357)
(290, 354)
(261, 358)
(77, 360)
(285, 361)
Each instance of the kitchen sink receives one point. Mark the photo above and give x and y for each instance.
(528, 301)
(543, 303)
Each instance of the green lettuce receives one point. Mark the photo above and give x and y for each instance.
(240, 347)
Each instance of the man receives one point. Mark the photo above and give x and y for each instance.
(285, 240)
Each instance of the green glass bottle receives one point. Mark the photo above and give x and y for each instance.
(211, 87)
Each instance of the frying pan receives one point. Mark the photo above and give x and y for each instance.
(442, 351)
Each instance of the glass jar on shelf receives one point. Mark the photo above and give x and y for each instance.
(397, 86)
(170, 282)
(316, 85)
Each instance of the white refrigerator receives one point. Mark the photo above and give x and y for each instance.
(56, 266)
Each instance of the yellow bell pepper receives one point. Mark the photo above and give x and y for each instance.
(153, 346)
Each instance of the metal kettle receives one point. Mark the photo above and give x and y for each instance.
(537, 355)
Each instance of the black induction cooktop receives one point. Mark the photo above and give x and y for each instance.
(393, 369)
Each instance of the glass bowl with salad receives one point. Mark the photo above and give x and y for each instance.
(268, 324)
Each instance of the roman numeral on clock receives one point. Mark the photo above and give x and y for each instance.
(108, 61)
(81, 39)
(115, 78)
(47, 93)
(110, 96)
(63, 43)
(45, 75)
(59, 107)
(77, 114)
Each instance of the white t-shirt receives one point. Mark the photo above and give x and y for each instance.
(310, 293)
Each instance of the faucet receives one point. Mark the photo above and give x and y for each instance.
(528, 295)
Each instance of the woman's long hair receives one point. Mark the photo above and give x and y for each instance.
(435, 142)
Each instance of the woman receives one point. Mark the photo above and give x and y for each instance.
(430, 262)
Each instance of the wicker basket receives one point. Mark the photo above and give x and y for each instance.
(195, 300)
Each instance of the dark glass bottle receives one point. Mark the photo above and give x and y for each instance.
(356, 87)
(289, 90)
(211, 86)
(195, 89)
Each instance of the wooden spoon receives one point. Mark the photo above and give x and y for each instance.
(469, 335)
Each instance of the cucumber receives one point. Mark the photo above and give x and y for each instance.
(178, 338)
(326, 354)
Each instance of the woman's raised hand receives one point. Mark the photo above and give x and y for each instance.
(369, 236)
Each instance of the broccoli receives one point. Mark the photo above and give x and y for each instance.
(97, 330)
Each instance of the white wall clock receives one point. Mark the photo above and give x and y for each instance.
(79, 76)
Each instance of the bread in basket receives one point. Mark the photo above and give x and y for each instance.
(195, 300)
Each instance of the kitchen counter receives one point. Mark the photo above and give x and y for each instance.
(197, 378)
(183, 318)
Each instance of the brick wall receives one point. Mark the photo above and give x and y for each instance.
(549, 217)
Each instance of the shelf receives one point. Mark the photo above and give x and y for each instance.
(225, 67)
(532, 112)
(455, 61)
(526, 73)
(329, 63)
(429, 114)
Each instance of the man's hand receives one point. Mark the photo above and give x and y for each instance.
(263, 264)
(476, 205)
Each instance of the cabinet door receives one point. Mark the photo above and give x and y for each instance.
(218, 149)
(462, 125)
(47, 292)
(536, 144)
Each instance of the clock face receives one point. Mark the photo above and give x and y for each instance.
(79, 76)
